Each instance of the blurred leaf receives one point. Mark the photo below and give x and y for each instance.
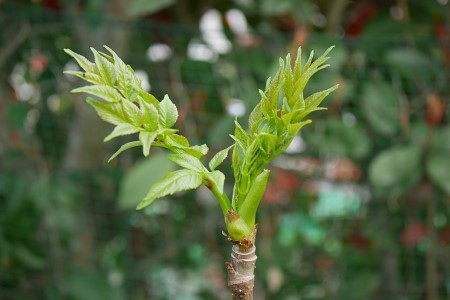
(17, 114)
(419, 133)
(438, 169)
(333, 137)
(138, 179)
(360, 286)
(28, 257)
(146, 7)
(381, 107)
(408, 62)
(442, 139)
(395, 169)
(88, 285)
(218, 135)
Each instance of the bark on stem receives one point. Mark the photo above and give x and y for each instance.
(241, 272)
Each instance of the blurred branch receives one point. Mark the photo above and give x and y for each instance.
(15, 43)
(335, 13)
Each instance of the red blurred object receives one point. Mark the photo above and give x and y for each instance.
(281, 187)
(444, 235)
(413, 234)
(38, 63)
(52, 4)
(362, 17)
(357, 239)
(324, 263)
(435, 109)
(342, 169)
(443, 35)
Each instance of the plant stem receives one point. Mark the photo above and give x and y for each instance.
(222, 198)
(241, 272)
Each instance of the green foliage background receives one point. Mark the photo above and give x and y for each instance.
(359, 210)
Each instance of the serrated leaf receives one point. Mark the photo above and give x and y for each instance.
(240, 133)
(125, 147)
(133, 113)
(105, 68)
(137, 180)
(105, 92)
(84, 63)
(219, 179)
(178, 140)
(218, 159)
(203, 149)
(267, 142)
(295, 127)
(150, 116)
(147, 139)
(89, 77)
(315, 99)
(298, 65)
(120, 130)
(108, 112)
(176, 181)
(255, 118)
(187, 161)
(125, 78)
(149, 98)
(168, 113)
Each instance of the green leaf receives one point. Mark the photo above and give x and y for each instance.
(105, 68)
(133, 113)
(146, 7)
(409, 62)
(108, 112)
(84, 63)
(438, 169)
(381, 107)
(396, 169)
(294, 128)
(137, 180)
(168, 113)
(147, 139)
(125, 147)
(255, 118)
(178, 140)
(187, 161)
(126, 79)
(150, 116)
(218, 159)
(120, 130)
(240, 133)
(105, 92)
(267, 142)
(336, 139)
(315, 99)
(176, 181)
(149, 98)
(89, 77)
(218, 178)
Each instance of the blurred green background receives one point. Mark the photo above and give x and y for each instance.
(357, 209)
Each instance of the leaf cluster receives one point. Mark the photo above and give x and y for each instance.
(273, 124)
(275, 120)
(122, 102)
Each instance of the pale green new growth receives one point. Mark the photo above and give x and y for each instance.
(272, 125)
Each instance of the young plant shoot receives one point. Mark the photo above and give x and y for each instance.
(272, 125)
